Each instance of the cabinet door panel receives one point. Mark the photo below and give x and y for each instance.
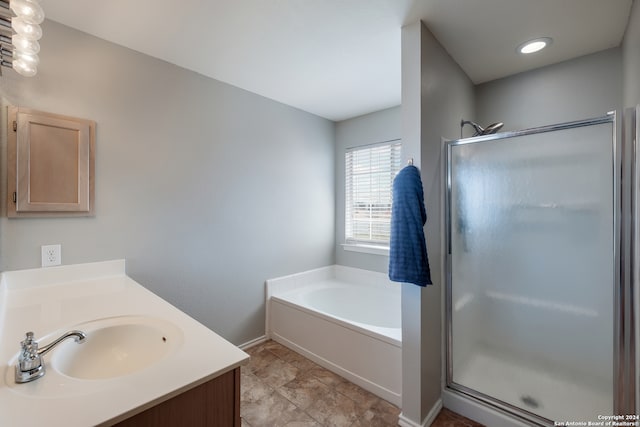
(51, 161)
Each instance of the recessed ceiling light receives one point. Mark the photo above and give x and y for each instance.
(534, 45)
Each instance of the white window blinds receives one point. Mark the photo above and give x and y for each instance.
(369, 173)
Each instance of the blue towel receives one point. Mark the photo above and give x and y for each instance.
(408, 260)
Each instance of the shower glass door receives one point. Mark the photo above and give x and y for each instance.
(531, 270)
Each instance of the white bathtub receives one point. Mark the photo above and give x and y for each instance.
(345, 319)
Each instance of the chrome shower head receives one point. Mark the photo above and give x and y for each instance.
(492, 128)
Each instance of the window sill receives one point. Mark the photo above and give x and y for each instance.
(368, 249)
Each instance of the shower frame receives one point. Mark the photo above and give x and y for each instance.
(626, 181)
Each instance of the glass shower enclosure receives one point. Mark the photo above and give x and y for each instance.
(533, 271)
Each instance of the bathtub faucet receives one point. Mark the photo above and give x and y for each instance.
(30, 365)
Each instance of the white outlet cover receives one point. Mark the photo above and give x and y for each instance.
(51, 255)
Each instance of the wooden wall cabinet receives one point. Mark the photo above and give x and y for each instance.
(51, 164)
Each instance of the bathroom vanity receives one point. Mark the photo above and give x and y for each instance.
(143, 362)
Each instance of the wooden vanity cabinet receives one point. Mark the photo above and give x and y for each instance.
(215, 403)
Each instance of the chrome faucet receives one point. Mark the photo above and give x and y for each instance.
(30, 365)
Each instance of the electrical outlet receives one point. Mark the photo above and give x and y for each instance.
(51, 255)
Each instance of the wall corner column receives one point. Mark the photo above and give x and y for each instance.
(436, 94)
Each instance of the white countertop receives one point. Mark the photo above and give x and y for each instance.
(54, 300)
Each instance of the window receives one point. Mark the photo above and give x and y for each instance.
(369, 173)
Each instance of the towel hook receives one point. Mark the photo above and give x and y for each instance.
(410, 162)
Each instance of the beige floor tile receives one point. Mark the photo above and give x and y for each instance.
(252, 389)
(276, 411)
(277, 373)
(267, 411)
(298, 418)
(280, 351)
(386, 411)
(303, 424)
(301, 362)
(303, 390)
(326, 376)
(362, 397)
(260, 359)
(334, 410)
(373, 422)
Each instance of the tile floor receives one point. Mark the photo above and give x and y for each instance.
(282, 388)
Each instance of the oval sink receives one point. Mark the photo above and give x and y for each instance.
(115, 347)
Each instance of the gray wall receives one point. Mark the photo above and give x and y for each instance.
(206, 189)
(631, 58)
(381, 126)
(436, 94)
(581, 88)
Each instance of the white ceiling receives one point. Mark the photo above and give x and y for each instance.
(341, 58)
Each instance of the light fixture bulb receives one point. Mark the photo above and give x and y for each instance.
(24, 45)
(27, 30)
(29, 10)
(535, 45)
(24, 68)
(27, 58)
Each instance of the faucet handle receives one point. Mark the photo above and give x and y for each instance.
(29, 347)
(29, 356)
(29, 366)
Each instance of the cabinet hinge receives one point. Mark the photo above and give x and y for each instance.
(15, 126)
(15, 197)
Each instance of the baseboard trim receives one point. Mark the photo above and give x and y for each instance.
(254, 342)
(429, 419)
